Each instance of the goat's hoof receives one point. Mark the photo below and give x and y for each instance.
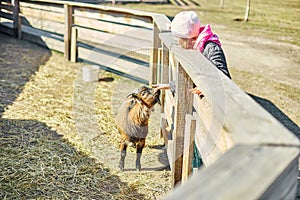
(121, 166)
(138, 168)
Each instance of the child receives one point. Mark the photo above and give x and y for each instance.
(190, 34)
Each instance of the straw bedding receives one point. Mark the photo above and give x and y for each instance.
(55, 131)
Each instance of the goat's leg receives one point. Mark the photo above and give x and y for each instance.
(139, 149)
(123, 147)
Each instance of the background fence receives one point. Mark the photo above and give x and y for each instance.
(246, 151)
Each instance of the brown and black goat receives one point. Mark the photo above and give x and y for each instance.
(132, 121)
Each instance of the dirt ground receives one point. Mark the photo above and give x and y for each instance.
(43, 88)
(269, 71)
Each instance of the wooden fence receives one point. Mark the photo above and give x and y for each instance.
(247, 153)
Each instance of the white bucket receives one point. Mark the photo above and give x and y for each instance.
(90, 73)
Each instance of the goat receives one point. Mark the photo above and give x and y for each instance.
(132, 121)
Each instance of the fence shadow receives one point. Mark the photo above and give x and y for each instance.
(39, 163)
(19, 61)
(278, 114)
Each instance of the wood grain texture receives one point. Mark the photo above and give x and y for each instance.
(245, 121)
(183, 106)
(188, 147)
(74, 49)
(247, 172)
(68, 30)
(43, 38)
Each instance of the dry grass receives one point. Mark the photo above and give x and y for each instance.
(57, 133)
(37, 163)
(58, 139)
(277, 20)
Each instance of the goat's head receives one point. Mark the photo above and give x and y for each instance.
(146, 96)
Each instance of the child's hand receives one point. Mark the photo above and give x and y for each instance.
(197, 91)
(161, 86)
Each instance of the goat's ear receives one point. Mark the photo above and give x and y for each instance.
(158, 101)
(132, 95)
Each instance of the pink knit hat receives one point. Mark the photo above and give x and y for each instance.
(185, 24)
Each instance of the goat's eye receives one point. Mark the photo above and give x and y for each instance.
(144, 93)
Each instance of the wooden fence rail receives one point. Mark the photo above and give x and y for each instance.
(246, 152)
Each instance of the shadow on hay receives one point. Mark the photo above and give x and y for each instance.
(36, 162)
(19, 60)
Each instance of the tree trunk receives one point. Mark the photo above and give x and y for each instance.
(222, 4)
(247, 11)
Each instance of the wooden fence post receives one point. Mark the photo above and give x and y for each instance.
(74, 49)
(164, 71)
(68, 29)
(165, 65)
(0, 8)
(189, 138)
(16, 18)
(154, 55)
(184, 102)
(164, 77)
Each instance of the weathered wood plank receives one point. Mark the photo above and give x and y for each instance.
(6, 27)
(165, 65)
(154, 55)
(6, 15)
(122, 41)
(6, 1)
(169, 113)
(170, 153)
(44, 24)
(43, 6)
(17, 24)
(113, 62)
(205, 143)
(183, 107)
(68, 30)
(169, 108)
(51, 41)
(189, 138)
(162, 22)
(42, 14)
(120, 29)
(230, 103)
(159, 65)
(7, 7)
(165, 132)
(114, 17)
(170, 100)
(74, 49)
(247, 172)
(106, 9)
(172, 67)
(164, 77)
(211, 136)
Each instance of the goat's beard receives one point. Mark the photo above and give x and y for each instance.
(142, 115)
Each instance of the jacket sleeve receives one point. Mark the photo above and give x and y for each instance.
(215, 54)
